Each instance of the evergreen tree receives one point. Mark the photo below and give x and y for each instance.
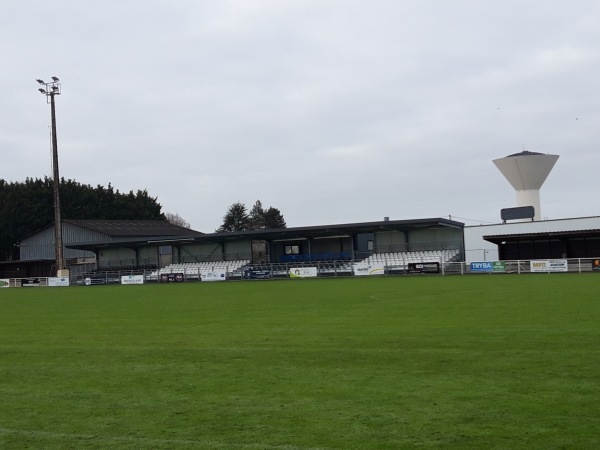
(274, 219)
(236, 219)
(257, 216)
(27, 207)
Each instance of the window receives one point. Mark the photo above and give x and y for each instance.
(165, 250)
(292, 249)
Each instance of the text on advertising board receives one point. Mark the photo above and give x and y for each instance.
(429, 267)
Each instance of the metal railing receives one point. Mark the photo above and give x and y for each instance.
(322, 269)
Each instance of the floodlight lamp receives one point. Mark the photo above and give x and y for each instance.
(40, 81)
(55, 78)
(55, 88)
(43, 91)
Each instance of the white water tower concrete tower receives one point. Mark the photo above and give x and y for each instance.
(526, 172)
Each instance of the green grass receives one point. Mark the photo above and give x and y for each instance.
(481, 362)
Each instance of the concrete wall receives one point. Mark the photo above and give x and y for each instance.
(115, 254)
(423, 239)
(390, 241)
(201, 252)
(238, 250)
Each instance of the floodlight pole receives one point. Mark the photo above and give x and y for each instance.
(53, 89)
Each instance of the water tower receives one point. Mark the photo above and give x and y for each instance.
(526, 172)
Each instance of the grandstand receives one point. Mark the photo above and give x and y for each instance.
(331, 247)
(197, 270)
(392, 262)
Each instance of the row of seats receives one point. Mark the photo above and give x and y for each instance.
(390, 259)
(402, 258)
(195, 268)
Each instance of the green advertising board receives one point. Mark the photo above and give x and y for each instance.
(498, 266)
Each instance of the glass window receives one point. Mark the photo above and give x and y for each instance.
(292, 249)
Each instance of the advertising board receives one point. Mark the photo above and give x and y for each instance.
(132, 279)
(367, 269)
(481, 266)
(558, 265)
(488, 266)
(424, 267)
(213, 276)
(257, 273)
(30, 282)
(58, 281)
(549, 265)
(171, 277)
(4, 282)
(303, 272)
(498, 266)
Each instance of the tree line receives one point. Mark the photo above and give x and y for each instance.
(27, 207)
(238, 218)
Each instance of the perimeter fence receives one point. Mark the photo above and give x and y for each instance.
(310, 269)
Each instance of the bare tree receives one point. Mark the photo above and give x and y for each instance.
(176, 219)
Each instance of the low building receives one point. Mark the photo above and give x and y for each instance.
(108, 239)
(553, 239)
(324, 242)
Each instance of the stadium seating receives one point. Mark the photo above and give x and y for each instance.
(400, 260)
(194, 270)
(392, 261)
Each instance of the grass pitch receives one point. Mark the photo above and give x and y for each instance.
(488, 361)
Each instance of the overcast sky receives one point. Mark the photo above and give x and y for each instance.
(333, 111)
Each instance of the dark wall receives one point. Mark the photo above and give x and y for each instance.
(25, 269)
(550, 248)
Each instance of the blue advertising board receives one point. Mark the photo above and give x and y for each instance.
(481, 267)
(488, 266)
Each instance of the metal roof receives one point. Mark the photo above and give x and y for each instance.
(126, 228)
(279, 233)
(330, 230)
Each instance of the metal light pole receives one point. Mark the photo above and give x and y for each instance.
(50, 90)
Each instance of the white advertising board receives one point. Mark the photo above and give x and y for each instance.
(58, 281)
(558, 265)
(368, 269)
(303, 272)
(132, 279)
(213, 276)
(550, 265)
(4, 282)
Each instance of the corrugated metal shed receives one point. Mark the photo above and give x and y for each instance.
(41, 244)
